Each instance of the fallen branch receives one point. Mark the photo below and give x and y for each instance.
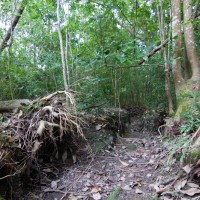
(161, 190)
(13, 105)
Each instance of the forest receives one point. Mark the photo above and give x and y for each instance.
(100, 99)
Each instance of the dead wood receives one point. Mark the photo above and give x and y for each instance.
(13, 105)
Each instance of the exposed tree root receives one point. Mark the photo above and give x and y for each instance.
(44, 131)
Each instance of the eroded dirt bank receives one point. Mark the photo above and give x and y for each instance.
(120, 155)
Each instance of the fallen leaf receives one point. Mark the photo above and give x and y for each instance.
(156, 167)
(179, 184)
(161, 189)
(96, 187)
(193, 185)
(148, 175)
(96, 196)
(138, 191)
(166, 198)
(10, 139)
(46, 170)
(94, 190)
(191, 191)
(124, 163)
(72, 197)
(98, 127)
(54, 185)
(155, 187)
(20, 113)
(167, 169)
(187, 169)
(85, 189)
(126, 187)
(151, 161)
(133, 184)
(122, 178)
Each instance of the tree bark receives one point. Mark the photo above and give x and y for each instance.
(14, 23)
(176, 34)
(62, 48)
(166, 64)
(190, 45)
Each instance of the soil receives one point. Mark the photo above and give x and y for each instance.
(128, 170)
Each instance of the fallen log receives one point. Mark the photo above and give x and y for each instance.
(12, 105)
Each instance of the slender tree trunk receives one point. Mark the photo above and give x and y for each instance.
(67, 56)
(190, 45)
(62, 48)
(166, 65)
(15, 20)
(195, 9)
(187, 67)
(176, 33)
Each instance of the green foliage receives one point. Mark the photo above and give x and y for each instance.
(1, 198)
(180, 148)
(115, 194)
(191, 115)
(194, 155)
(106, 41)
(191, 122)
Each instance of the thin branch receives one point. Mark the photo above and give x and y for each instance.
(14, 23)
(62, 48)
(195, 9)
(151, 53)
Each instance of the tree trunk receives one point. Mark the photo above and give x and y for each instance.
(166, 65)
(176, 34)
(187, 67)
(62, 48)
(15, 20)
(190, 45)
(13, 105)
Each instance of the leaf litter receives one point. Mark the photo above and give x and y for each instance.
(116, 171)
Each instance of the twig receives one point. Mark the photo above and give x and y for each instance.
(161, 137)
(51, 190)
(165, 182)
(10, 175)
(195, 134)
(170, 185)
(87, 168)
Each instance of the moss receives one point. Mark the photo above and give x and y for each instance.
(185, 99)
(194, 155)
(115, 194)
(182, 107)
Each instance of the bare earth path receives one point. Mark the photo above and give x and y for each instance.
(129, 170)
